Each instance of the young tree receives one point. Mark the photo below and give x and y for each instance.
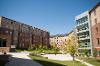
(72, 45)
(55, 48)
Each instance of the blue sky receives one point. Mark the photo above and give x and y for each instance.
(56, 16)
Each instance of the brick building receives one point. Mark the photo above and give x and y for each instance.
(95, 27)
(40, 37)
(14, 34)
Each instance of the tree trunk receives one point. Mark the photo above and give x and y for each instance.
(73, 58)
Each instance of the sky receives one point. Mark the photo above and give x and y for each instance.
(55, 16)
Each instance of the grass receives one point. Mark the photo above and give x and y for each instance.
(93, 61)
(45, 51)
(48, 62)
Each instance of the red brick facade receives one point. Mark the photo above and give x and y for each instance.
(21, 35)
(95, 27)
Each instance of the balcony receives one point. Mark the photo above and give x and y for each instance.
(84, 38)
(82, 23)
(83, 31)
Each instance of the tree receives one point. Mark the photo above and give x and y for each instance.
(72, 45)
(30, 48)
(86, 53)
(55, 48)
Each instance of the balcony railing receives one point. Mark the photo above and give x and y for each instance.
(82, 23)
(83, 31)
(84, 38)
(84, 48)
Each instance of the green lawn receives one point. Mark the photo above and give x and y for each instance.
(93, 61)
(48, 62)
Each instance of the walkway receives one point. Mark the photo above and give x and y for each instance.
(21, 59)
(61, 57)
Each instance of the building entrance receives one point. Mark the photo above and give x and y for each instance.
(2, 42)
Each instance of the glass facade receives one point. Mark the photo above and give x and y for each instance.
(83, 32)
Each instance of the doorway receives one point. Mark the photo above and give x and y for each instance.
(2, 42)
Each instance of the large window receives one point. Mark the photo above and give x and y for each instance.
(94, 12)
(98, 53)
(98, 42)
(95, 20)
(2, 42)
(97, 30)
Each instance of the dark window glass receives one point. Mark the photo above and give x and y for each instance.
(97, 29)
(98, 41)
(94, 12)
(95, 20)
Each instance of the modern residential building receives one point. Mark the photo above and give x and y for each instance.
(84, 32)
(95, 27)
(59, 40)
(14, 34)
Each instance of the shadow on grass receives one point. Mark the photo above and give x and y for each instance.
(98, 60)
(47, 63)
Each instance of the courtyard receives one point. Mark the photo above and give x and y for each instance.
(24, 58)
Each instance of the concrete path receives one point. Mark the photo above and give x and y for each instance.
(61, 57)
(21, 59)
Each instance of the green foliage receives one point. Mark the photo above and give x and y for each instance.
(94, 52)
(71, 45)
(30, 48)
(54, 48)
(86, 52)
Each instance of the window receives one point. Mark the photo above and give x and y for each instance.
(10, 33)
(98, 53)
(94, 12)
(57, 37)
(11, 22)
(6, 31)
(95, 20)
(97, 29)
(98, 41)
(86, 18)
(2, 42)
(77, 22)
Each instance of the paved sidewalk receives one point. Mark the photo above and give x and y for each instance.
(60, 57)
(21, 59)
